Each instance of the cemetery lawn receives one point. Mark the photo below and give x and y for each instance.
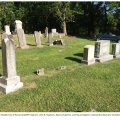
(77, 88)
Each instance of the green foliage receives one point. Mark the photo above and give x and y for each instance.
(90, 17)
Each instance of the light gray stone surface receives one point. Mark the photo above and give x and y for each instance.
(9, 82)
(102, 51)
(21, 39)
(53, 30)
(18, 24)
(116, 50)
(7, 29)
(50, 39)
(37, 38)
(88, 56)
(40, 72)
(46, 32)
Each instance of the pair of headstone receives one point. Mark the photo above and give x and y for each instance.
(21, 35)
(10, 81)
(100, 53)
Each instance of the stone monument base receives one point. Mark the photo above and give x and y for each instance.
(116, 56)
(104, 58)
(88, 62)
(11, 84)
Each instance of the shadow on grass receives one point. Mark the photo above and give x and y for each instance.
(35, 72)
(73, 59)
(31, 44)
(78, 54)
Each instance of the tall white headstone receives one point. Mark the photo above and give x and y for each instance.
(37, 39)
(21, 35)
(10, 81)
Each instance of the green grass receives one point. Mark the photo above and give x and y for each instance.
(77, 88)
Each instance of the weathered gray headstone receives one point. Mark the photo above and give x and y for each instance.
(116, 50)
(88, 56)
(37, 38)
(7, 29)
(9, 82)
(21, 39)
(50, 39)
(46, 32)
(102, 51)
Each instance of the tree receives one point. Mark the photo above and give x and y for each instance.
(64, 14)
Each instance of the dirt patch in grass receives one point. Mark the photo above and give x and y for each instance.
(31, 85)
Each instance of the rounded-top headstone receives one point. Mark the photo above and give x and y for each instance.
(18, 24)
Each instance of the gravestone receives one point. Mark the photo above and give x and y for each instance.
(116, 50)
(7, 29)
(18, 24)
(50, 39)
(53, 30)
(37, 38)
(46, 32)
(88, 56)
(102, 51)
(21, 39)
(10, 81)
(40, 34)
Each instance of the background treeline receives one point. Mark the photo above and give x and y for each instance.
(73, 18)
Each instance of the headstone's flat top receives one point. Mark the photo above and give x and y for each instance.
(103, 41)
(88, 46)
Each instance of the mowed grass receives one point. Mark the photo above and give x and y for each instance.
(78, 88)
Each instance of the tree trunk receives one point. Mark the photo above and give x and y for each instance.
(64, 26)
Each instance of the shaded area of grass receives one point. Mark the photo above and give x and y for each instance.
(77, 88)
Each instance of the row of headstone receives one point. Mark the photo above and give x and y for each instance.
(100, 52)
(37, 35)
